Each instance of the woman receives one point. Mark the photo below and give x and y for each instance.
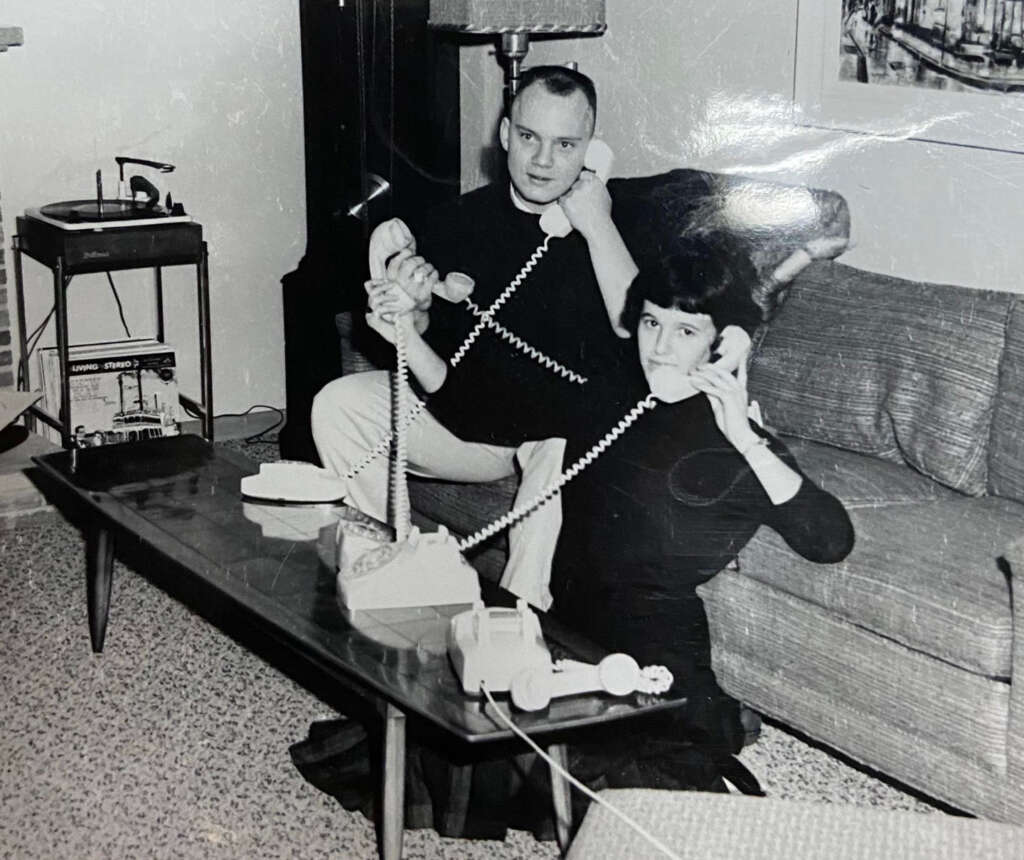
(677, 497)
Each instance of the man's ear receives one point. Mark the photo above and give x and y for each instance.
(503, 130)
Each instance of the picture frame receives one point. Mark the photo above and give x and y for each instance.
(990, 120)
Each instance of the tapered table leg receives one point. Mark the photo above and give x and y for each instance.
(560, 796)
(392, 821)
(99, 566)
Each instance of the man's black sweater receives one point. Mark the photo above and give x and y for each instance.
(496, 394)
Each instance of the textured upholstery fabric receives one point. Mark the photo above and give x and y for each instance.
(353, 360)
(863, 481)
(732, 827)
(926, 575)
(901, 370)
(917, 718)
(1006, 455)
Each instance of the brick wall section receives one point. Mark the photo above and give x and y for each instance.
(6, 365)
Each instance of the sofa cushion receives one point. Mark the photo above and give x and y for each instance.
(924, 573)
(904, 371)
(463, 508)
(864, 482)
(1006, 446)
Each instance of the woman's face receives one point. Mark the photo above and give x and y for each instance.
(671, 343)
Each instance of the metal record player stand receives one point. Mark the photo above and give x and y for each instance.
(108, 249)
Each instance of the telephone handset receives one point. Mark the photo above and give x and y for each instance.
(599, 158)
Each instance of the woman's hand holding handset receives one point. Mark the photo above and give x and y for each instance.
(727, 393)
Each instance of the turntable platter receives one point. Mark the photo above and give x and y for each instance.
(78, 211)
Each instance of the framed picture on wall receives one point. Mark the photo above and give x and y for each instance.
(950, 71)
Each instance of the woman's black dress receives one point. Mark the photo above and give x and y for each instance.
(667, 506)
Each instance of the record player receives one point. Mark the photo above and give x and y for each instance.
(131, 231)
(137, 200)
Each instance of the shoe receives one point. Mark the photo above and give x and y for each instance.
(751, 722)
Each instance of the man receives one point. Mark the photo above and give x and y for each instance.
(566, 295)
(561, 308)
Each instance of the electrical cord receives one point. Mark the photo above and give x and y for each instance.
(32, 341)
(618, 813)
(120, 308)
(30, 344)
(256, 437)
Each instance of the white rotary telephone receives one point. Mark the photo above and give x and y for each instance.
(503, 650)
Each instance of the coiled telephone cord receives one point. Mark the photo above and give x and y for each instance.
(504, 296)
(520, 344)
(383, 444)
(527, 508)
(485, 319)
(400, 507)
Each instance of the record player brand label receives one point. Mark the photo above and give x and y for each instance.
(95, 255)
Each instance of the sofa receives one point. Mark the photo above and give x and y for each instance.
(905, 400)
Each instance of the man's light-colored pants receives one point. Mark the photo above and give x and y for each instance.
(353, 413)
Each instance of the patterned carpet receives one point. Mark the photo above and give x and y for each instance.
(174, 742)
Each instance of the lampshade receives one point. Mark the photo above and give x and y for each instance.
(518, 16)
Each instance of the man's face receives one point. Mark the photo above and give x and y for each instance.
(672, 342)
(546, 139)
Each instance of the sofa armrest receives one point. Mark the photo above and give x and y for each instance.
(766, 220)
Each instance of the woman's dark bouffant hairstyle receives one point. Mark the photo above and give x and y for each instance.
(698, 276)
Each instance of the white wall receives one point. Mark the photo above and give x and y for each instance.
(213, 86)
(709, 85)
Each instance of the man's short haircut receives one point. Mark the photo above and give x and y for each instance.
(700, 276)
(560, 81)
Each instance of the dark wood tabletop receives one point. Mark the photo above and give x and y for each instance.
(275, 565)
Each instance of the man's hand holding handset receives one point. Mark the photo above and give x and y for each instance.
(588, 207)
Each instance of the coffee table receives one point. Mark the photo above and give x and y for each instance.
(273, 568)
